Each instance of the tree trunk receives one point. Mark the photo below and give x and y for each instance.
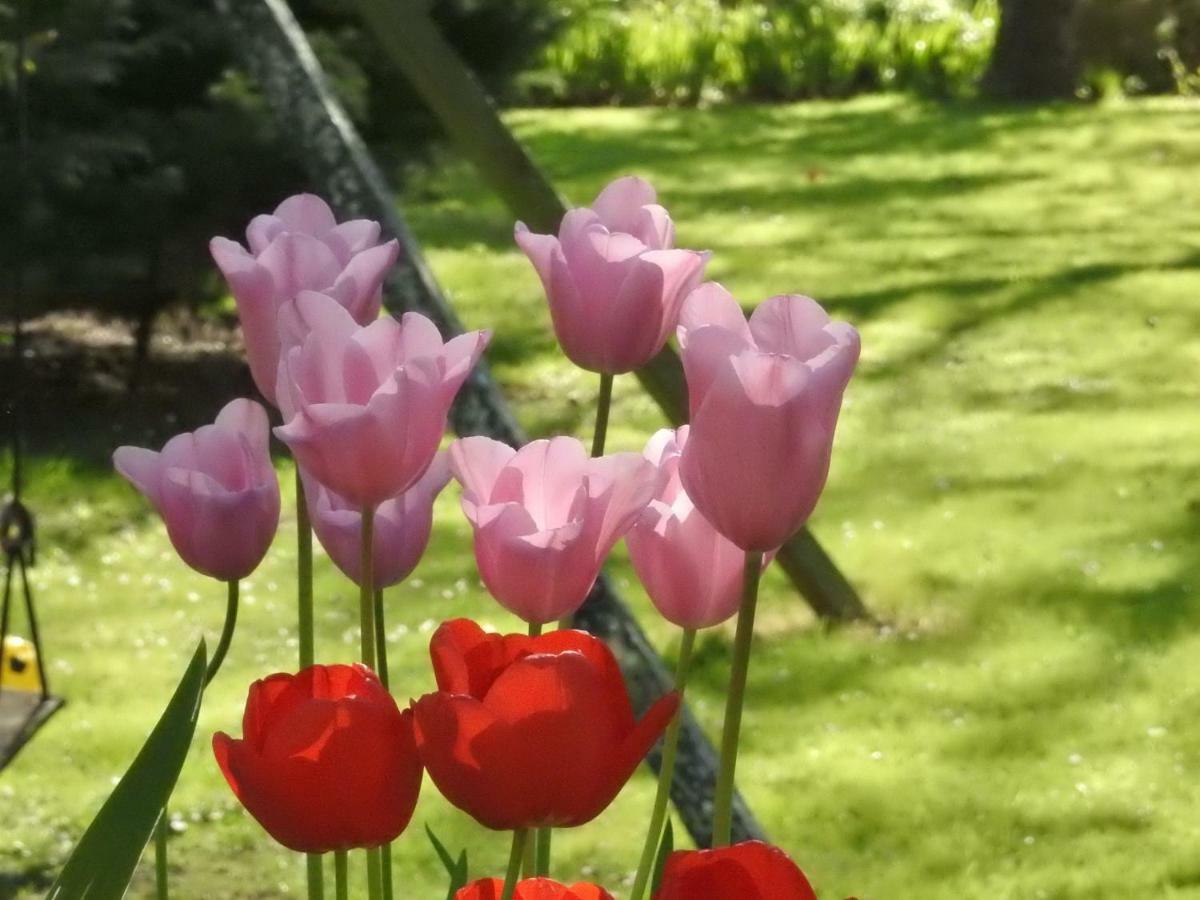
(1035, 56)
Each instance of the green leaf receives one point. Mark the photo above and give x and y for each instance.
(455, 868)
(664, 850)
(105, 858)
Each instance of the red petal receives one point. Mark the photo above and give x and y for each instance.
(748, 871)
(587, 892)
(475, 760)
(632, 751)
(466, 659)
(557, 706)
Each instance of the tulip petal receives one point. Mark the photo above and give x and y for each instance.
(620, 202)
(306, 214)
(362, 279)
(654, 228)
(352, 237)
(711, 305)
(262, 230)
(476, 463)
(464, 748)
(140, 467)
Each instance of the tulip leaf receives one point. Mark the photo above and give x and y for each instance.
(665, 849)
(455, 868)
(103, 862)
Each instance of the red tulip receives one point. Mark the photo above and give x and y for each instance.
(748, 871)
(532, 889)
(528, 732)
(327, 761)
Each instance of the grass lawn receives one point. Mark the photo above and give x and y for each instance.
(1016, 489)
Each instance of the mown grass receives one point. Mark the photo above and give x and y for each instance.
(1016, 490)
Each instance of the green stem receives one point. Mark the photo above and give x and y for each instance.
(341, 875)
(316, 876)
(537, 851)
(367, 641)
(603, 404)
(385, 852)
(374, 874)
(381, 640)
(231, 611)
(314, 867)
(162, 892)
(304, 565)
(735, 699)
(515, 857)
(666, 771)
(366, 585)
(542, 864)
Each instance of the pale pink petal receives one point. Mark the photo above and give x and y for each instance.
(352, 237)
(711, 305)
(791, 325)
(619, 486)
(362, 279)
(299, 262)
(654, 228)
(539, 248)
(619, 204)
(545, 477)
(476, 463)
(140, 467)
(262, 230)
(306, 214)
(248, 419)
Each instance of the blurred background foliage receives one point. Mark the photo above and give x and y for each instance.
(147, 139)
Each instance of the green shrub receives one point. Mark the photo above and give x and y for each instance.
(638, 51)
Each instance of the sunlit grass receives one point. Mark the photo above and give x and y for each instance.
(1016, 490)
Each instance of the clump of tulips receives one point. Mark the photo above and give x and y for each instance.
(525, 732)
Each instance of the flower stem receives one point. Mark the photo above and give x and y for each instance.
(341, 875)
(367, 641)
(314, 867)
(666, 771)
(231, 611)
(304, 581)
(366, 582)
(735, 699)
(603, 404)
(541, 866)
(316, 876)
(537, 853)
(374, 874)
(381, 640)
(162, 891)
(515, 857)
(385, 852)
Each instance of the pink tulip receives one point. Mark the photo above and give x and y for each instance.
(614, 283)
(215, 489)
(402, 526)
(546, 516)
(300, 247)
(368, 405)
(765, 397)
(692, 573)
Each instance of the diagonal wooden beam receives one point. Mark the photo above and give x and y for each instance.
(273, 48)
